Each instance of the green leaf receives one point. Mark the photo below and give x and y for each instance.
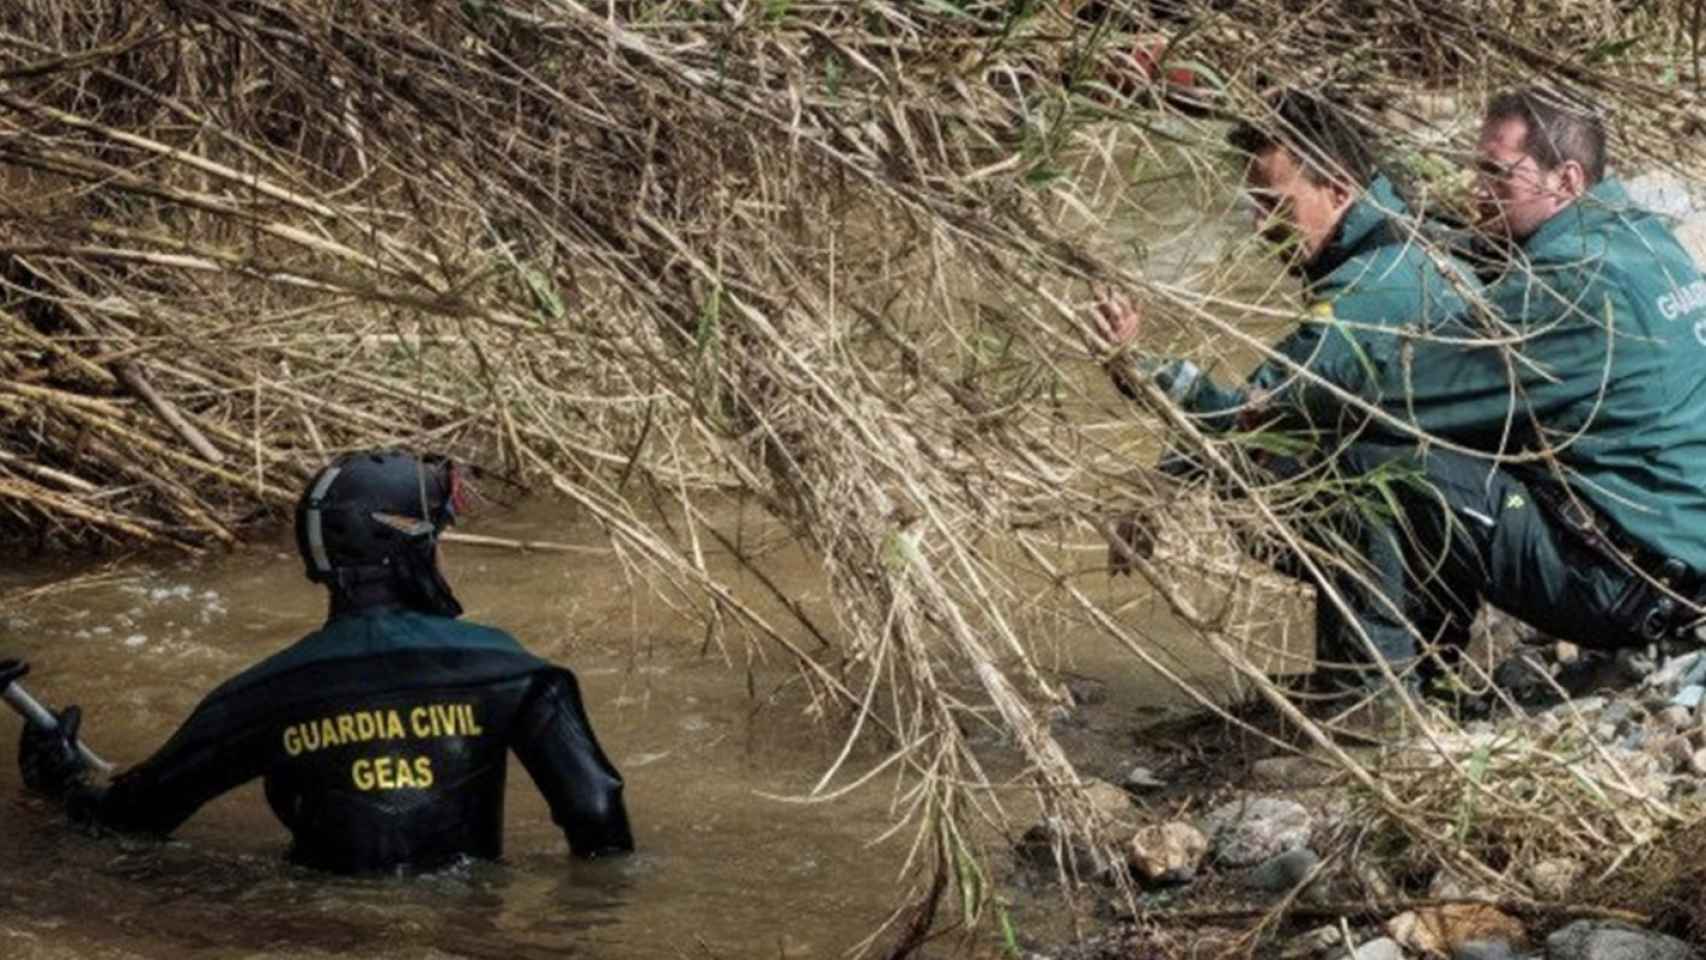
(970, 881)
(1040, 176)
(832, 71)
(544, 294)
(946, 8)
(1009, 934)
(1610, 50)
(1476, 770)
(710, 318)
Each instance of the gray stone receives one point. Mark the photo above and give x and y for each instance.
(1383, 949)
(1344, 881)
(1602, 940)
(1111, 804)
(1617, 713)
(1689, 696)
(1484, 950)
(1246, 832)
(1678, 672)
(1283, 873)
(1636, 663)
(1674, 717)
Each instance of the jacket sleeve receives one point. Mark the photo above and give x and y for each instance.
(555, 742)
(205, 758)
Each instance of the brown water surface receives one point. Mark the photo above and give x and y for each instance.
(723, 870)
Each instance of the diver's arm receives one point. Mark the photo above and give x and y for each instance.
(555, 742)
(201, 761)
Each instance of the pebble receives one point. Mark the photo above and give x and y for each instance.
(1690, 696)
(1168, 853)
(1383, 949)
(1616, 714)
(1246, 832)
(1283, 873)
(1142, 778)
(1674, 717)
(1603, 940)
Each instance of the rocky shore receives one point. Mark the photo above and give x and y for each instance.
(1573, 800)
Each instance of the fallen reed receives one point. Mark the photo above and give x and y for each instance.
(833, 258)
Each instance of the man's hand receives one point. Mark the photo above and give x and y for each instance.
(49, 760)
(1116, 320)
(1130, 539)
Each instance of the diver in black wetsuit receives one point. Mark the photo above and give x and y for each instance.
(383, 736)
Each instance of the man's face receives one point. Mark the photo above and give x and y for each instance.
(1293, 211)
(1513, 195)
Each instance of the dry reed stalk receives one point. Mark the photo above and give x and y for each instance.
(833, 257)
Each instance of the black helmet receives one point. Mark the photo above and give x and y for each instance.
(376, 516)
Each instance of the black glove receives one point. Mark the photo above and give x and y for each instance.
(49, 759)
(11, 670)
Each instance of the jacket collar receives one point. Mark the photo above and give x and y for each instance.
(1366, 225)
(1606, 200)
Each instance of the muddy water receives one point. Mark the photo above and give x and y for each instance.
(723, 869)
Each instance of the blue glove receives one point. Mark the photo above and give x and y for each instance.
(1176, 378)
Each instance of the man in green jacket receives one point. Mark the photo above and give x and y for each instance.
(1352, 241)
(1581, 373)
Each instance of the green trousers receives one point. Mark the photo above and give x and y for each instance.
(1438, 534)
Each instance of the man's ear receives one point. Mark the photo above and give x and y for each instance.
(1572, 179)
(1342, 192)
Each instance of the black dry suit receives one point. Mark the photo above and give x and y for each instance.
(383, 738)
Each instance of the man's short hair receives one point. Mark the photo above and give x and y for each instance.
(1558, 128)
(1326, 140)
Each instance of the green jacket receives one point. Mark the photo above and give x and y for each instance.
(1370, 278)
(1607, 314)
